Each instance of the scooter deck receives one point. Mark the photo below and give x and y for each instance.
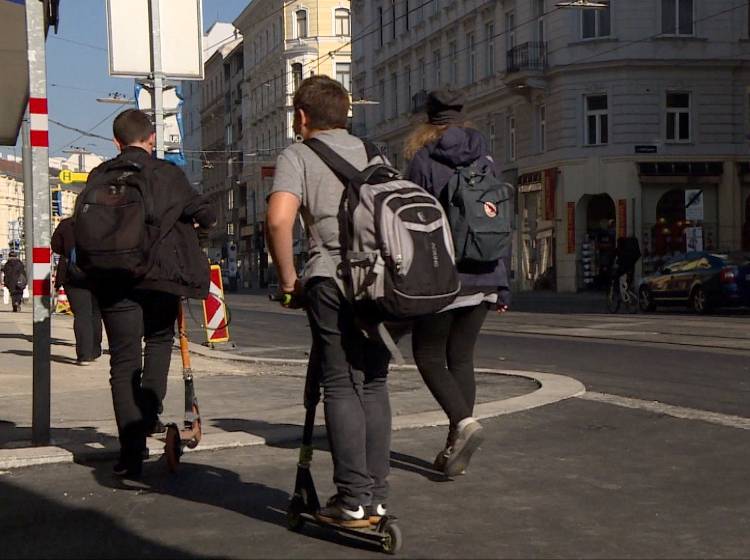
(386, 533)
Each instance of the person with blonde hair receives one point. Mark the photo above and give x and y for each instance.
(443, 345)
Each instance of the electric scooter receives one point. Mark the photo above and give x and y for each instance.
(177, 439)
(304, 505)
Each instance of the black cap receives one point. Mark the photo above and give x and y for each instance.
(12, 254)
(444, 106)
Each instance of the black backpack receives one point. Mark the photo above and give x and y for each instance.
(480, 210)
(114, 223)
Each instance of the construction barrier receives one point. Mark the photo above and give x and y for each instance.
(62, 304)
(214, 310)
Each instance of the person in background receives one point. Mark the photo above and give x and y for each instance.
(443, 345)
(14, 279)
(87, 319)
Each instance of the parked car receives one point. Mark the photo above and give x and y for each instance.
(700, 280)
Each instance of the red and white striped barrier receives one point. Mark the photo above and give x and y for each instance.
(214, 310)
(41, 270)
(39, 125)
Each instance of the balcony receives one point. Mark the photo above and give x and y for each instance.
(525, 66)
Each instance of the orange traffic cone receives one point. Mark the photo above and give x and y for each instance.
(62, 305)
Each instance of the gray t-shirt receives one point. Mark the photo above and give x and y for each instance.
(301, 172)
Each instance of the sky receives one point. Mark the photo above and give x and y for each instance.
(77, 73)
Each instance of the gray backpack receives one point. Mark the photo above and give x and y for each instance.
(480, 210)
(397, 251)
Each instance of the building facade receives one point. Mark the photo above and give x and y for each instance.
(628, 121)
(286, 42)
(217, 164)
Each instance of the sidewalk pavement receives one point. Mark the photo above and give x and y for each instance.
(244, 400)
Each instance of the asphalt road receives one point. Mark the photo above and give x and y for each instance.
(674, 357)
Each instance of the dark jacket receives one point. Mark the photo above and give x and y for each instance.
(178, 265)
(12, 271)
(62, 243)
(433, 166)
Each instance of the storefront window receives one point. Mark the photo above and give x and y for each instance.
(598, 243)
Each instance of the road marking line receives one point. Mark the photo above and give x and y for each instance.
(670, 410)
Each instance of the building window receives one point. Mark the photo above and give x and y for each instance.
(512, 151)
(407, 14)
(596, 23)
(540, 31)
(381, 87)
(677, 17)
(301, 18)
(421, 68)
(344, 74)
(407, 89)
(393, 19)
(230, 199)
(489, 56)
(678, 117)
(453, 61)
(435, 7)
(343, 22)
(542, 128)
(394, 95)
(510, 31)
(296, 75)
(471, 58)
(230, 228)
(436, 65)
(597, 120)
(380, 26)
(491, 138)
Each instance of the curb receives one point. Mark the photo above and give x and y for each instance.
(552, 388)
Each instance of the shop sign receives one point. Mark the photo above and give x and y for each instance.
(694, 205)
(694, 239)
(531, 187)
(622, 218)
(646, 149)
(571, 228)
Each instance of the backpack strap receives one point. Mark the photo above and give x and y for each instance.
(344, 170)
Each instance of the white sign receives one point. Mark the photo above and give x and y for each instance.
(144, 101)
(694, 239)
(694, 205)
(129, 34)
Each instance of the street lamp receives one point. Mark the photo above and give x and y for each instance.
(117, 99)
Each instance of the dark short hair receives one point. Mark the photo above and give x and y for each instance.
(325, 102)
(131, 126)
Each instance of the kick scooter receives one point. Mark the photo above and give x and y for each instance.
(176, 439)
(305, 504)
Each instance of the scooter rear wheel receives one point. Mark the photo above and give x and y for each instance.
(172, 448)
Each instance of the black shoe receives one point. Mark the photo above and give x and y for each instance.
(336, 513)
(158, 428)
(466, 442)
(129, 469)
(376, 512)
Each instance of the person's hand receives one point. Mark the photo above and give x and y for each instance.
(290, 297)
(502, 308)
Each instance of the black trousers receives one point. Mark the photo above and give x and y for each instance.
(87, 322)
(352, 372)
(443, 348)
(138, 377)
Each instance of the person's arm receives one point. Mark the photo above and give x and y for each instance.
(418, 170)
(282, 214)
(196, 207)
(57, 243)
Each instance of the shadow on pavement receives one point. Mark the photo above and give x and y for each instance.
(29, 354)
(34, 526)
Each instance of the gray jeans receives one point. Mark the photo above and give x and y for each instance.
(352, 372)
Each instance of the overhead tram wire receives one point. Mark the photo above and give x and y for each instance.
(89, 131)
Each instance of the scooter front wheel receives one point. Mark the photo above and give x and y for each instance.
(172, 447)
(392, 540)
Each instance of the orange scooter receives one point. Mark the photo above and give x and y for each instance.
(190, 435)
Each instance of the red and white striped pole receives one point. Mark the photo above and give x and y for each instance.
(41, 253)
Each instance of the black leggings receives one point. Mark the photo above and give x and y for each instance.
(443, 347)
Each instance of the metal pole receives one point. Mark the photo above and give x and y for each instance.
(28, 197)
(41, 253)
(158, 93)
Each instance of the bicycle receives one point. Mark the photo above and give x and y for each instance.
(621, 292)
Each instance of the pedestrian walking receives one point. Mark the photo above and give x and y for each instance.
(87, 319)
(352, 368)
(14, 279)
(441, 152)
(139, 291)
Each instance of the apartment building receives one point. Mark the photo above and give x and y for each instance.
(217, 166)
(285, 43)
(627, 121)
